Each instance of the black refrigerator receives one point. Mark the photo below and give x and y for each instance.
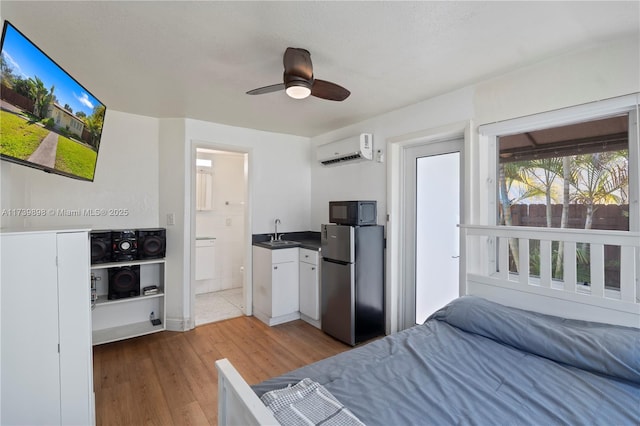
(352, 290)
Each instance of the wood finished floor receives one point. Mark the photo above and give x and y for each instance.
(169, 378)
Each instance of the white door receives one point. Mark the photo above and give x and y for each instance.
(432, 214)
(76, 359)
(30, 379)
(309, 291)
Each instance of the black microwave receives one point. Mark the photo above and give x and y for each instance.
(355, 213)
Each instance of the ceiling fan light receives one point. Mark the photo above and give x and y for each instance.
(298, 90)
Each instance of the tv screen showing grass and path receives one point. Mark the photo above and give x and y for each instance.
(47, 119)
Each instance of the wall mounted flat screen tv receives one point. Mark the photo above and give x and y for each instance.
(48, 120)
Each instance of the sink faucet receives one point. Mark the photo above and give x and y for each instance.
(276, 237)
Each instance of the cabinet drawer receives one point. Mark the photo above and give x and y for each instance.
(284, 255)
(309, 256)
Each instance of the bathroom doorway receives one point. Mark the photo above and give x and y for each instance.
(220, 200)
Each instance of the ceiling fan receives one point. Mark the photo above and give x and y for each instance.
(299, 82)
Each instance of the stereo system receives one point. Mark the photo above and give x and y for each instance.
(151, 243)
(124, 282)
(125, 245)
(100, 247)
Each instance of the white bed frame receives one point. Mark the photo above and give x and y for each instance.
(487, 251)
(238, 405)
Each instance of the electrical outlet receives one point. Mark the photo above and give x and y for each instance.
(228, 221)
(171, 219)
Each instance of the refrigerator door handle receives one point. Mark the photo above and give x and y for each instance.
(339, 262)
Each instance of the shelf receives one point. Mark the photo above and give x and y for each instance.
(127, 317)
(124, 332)
(127, 263)
(103, 300)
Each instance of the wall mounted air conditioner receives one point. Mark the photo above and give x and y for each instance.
(355, 148)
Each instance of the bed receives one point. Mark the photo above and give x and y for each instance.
(517, 349)
(479, 362)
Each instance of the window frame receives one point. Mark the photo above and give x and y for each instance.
(489, 134)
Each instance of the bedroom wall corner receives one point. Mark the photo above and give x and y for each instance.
(171, 214)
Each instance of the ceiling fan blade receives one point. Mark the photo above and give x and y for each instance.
(266, 89)
(330, 91)
(297, 62)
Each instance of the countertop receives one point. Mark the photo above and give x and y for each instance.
(308, 240)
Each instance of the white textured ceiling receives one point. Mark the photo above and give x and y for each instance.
(197, 59)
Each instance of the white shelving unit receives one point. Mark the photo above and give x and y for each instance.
(124, 318)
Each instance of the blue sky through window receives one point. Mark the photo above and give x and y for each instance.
(27, 61)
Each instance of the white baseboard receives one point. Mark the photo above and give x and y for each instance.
(176, 324)
(315, 323)
(271, 321)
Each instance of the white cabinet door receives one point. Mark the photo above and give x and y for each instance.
(284, 282)
(275, 285)
(205, 259)
(29, 370)
(76, 357)
(309, 291)
(262, 280)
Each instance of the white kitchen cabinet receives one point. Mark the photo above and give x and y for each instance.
(309, 278)
(275, 285)
(46, 366)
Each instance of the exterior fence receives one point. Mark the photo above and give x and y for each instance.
(606, 216)
(15, 98)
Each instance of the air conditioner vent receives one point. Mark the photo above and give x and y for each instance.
(352, 149)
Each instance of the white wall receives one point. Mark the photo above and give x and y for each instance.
(600, 72)
(589, 75)
(275, 159)
(11, 194)
(368, 180)
(125, 183)
(171, 201)
(279, 176)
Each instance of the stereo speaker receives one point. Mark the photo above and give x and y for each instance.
(152, 243)
(124, 245)
(124, 282)
(100, 247)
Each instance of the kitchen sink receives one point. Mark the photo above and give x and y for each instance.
(280, 243)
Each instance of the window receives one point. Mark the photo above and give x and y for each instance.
(570, 176)
(204, 184)
(573, 176)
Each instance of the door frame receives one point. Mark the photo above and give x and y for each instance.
(248, 270)
(396, 195)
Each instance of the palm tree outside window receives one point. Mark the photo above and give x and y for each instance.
(574, 176)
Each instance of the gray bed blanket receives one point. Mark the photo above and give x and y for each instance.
(480, 363)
